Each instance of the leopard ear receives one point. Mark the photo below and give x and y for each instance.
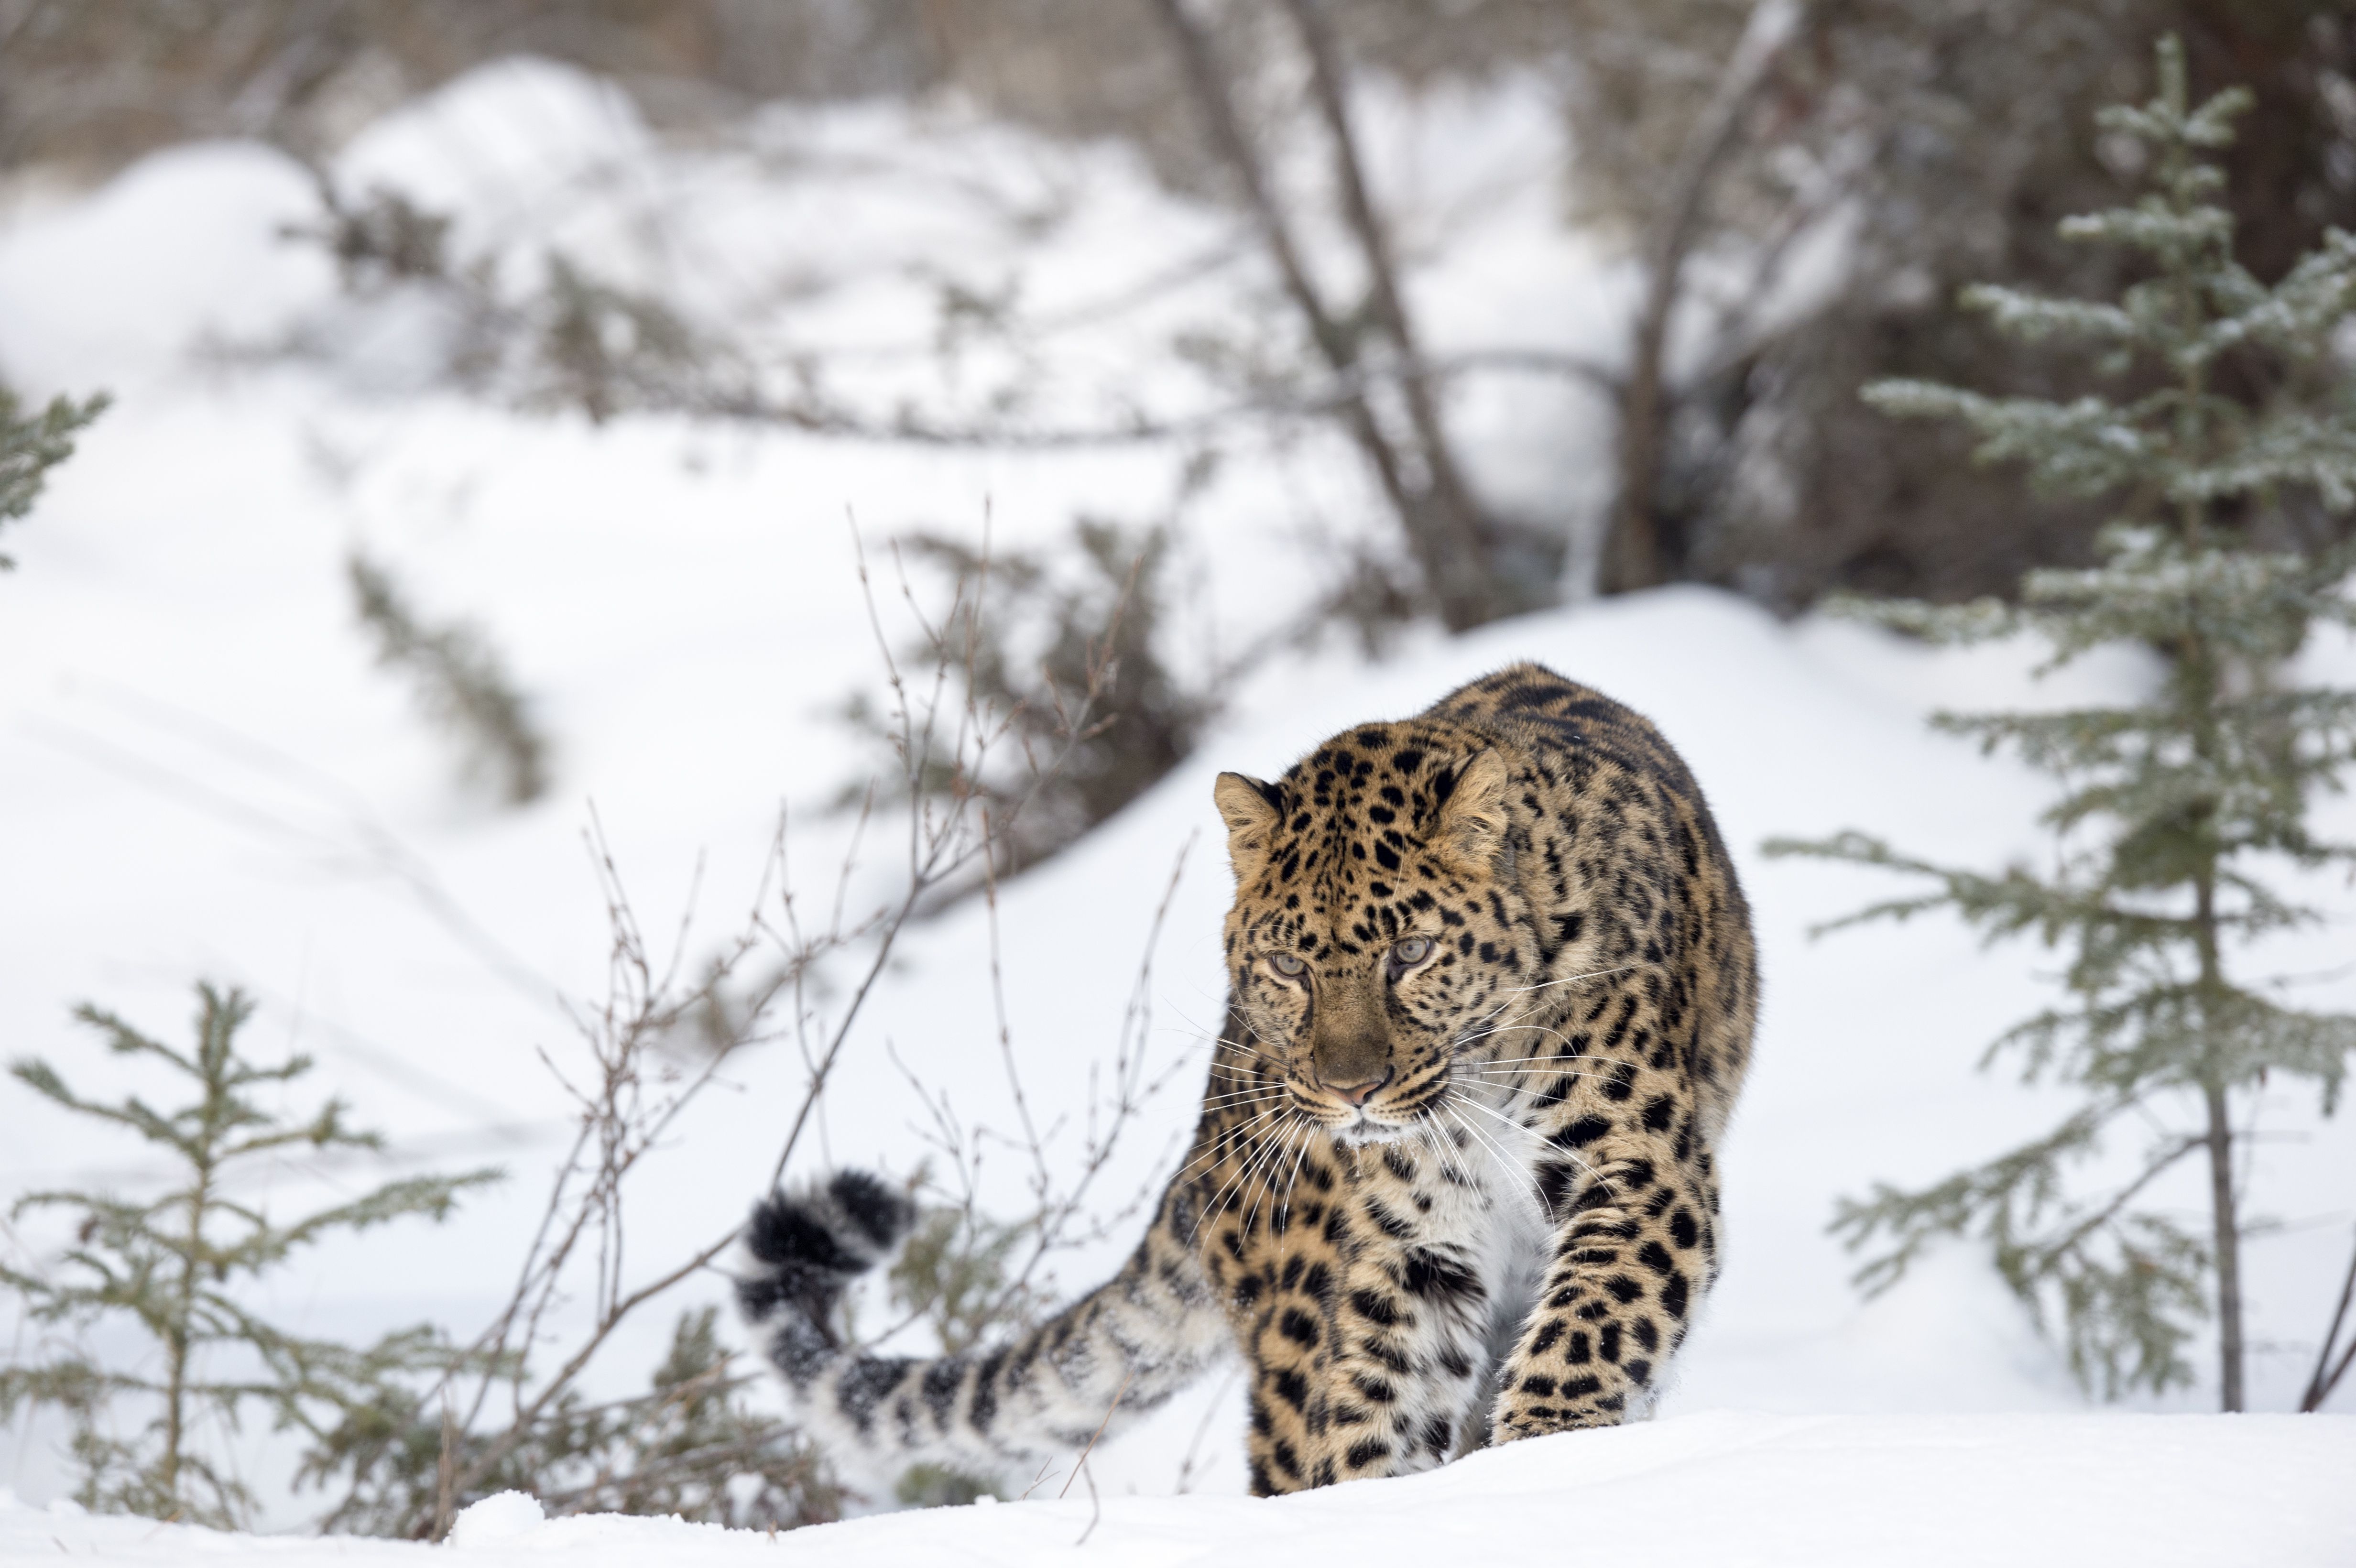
(1469, 827)
(1250, 810)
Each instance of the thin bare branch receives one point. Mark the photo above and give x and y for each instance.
(1415, 467)
(2327, 1372)
(1632, 558)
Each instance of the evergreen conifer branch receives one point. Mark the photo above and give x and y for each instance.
(461, 682)
(31, 445)
(2175, 809)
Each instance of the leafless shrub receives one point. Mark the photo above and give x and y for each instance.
(1370, 344)
(1064, 1205)
(381, 238)
(665, 1030)
(569, 339)
(1944, 139)
(604, 350)
(1036, 637)
(96, 82)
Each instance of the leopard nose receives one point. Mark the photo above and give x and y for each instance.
(1359, 1092)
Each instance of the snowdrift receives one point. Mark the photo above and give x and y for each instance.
(1718, 1487)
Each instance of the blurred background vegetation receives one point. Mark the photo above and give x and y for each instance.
(1946, 135)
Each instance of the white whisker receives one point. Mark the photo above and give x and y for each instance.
(1247, 1096)
(1284, 1208)
(1504, 1166)
(1218, 1204)
(1571, 980)
(1565, 1154)
(1267, 1189)
(1557, 1056)
(1228, 1139)
(1446, 1154)
(1463, 1040)
(1535, 1070)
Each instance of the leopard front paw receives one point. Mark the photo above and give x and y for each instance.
(1535, 1405)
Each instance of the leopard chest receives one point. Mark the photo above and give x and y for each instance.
(1447, 1239)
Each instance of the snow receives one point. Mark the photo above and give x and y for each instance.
(1761, 1491)
(203, 775)
(508, 1516)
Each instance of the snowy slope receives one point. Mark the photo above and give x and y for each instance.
(1761, 1491)
(201, 775)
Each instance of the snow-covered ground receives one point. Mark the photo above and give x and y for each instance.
(202, 775)
(1857, 1491)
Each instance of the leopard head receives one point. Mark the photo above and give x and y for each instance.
(1379, 927)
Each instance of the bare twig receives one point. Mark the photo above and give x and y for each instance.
(2327, 1373)
(943, 841)
(620, 1123)
(1338, 390)
(1057, 1205)
(1035, 1480)
(1095, 1503)
(1210, 1414)
(2153, 1167)
(1083, 1463)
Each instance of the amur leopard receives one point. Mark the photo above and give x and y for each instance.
(1492, 990)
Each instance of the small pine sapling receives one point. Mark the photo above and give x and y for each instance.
(2177, 815)
(694, 1444)
(955, 1273)
(170, 1266)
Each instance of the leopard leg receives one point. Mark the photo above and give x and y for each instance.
(1291, 1249)
(1289, 1410)
(1630, 1260)
(1405, 1330)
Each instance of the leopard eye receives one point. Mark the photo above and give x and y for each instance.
(1407, 954)
(1286, 965)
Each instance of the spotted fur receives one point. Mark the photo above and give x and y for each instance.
(1491, 998)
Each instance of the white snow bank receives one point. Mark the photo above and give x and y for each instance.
(1718, 1487)
(184, 247)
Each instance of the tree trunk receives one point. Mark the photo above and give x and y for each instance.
(2223, 1216)
(1632, 556)
(2229, 1250)
(177, 1334)
(1415, 467)
(1458, 541)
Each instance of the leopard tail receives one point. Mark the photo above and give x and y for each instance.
(996, 1414)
